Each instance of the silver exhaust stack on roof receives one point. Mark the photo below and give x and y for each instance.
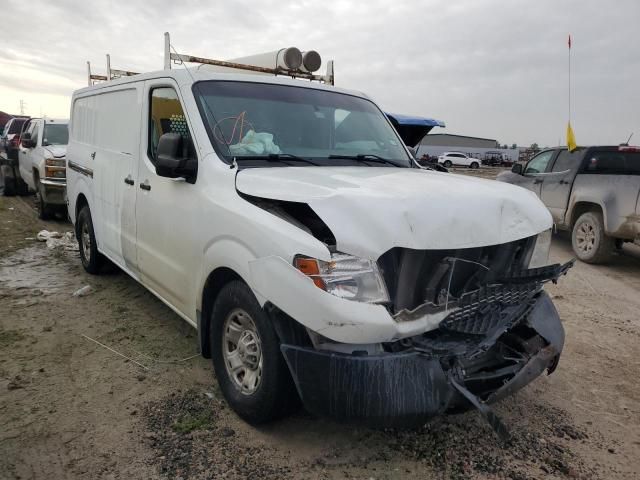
(311, 61)
(285, 59)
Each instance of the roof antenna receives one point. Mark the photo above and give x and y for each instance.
(626, 144)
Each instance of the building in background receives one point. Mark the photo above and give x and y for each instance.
(484, 149)
(449, 140)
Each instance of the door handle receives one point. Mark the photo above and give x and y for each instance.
(145, 186)
(129, 180)
(563, 182)
(537, 181)
(93, 156)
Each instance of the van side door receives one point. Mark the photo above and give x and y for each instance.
(167, 209)
(113, 132)
(556, 188)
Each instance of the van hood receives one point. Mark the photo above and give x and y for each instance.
(373, 209)
(57, 151)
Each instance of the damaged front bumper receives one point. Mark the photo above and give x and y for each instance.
(405, 388)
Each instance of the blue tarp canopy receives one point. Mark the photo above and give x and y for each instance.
(415, 121)
(413, 129)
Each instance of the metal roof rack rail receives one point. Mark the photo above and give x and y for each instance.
(112, 73)
(279, 68)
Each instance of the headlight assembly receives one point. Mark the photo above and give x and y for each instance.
(55, 168)
(346, 276)
(540, 255)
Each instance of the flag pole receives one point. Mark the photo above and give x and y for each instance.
(571, 139)
(569, 76)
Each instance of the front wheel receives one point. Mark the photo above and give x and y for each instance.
(92, 260)
(474, 165)
(249, 366)
(448, 163)
(45, 211)
(589, 241)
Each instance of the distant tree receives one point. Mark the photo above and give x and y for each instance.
(513, 145)
(505, 146)
(534, 146)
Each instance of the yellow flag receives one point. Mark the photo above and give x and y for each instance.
(571, 138)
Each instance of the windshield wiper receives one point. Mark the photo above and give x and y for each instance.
(275, 157)
(367, 157)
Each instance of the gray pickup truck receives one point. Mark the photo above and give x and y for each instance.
(593, 191)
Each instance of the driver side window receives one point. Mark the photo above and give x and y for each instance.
(538, 164)
(166, 116)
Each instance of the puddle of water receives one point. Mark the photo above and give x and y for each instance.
(34, 270)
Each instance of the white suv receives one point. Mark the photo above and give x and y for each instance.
(43, 147)
(288, 223)
(449, 159)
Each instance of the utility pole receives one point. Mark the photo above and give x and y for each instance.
(22, 105)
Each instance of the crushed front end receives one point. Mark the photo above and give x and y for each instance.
(494, 330)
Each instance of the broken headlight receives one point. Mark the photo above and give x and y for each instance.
(540, 254)
(346, 276)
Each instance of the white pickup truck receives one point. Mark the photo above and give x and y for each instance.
(42, 162)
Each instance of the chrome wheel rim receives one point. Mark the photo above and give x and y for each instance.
(85, 241)
(242, 350)
(585, 237)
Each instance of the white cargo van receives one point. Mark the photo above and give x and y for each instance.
(287, 222)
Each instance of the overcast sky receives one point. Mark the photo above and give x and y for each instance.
(495, 69)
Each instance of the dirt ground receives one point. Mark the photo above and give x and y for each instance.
(71, 408)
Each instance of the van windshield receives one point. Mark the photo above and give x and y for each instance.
(55, 134)
(253, 120)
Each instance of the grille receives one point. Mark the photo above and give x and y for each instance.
(440, 277)
(484, 310)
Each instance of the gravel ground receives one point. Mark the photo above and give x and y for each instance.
(70, 408)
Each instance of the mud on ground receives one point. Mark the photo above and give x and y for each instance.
(70, 408)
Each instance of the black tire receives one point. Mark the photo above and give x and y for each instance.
(92, 260)
(9, 184)
(448, 164)
(275, 395)
(23, 188)
(45, 211)
(474, 165)
(589, 241)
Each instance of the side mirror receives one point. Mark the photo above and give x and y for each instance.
(26, 141)
(170, 161)
(517, 168)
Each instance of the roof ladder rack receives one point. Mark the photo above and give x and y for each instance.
(177, 58)
(112, 73)
(92, 76)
